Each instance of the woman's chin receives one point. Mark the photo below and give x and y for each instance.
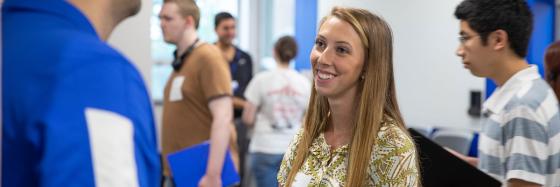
(323, 92)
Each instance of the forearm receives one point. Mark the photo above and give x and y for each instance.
(238, 103)
(219, 135)
(219, 140)
(248, 116)
(521, 183)
(471, 160)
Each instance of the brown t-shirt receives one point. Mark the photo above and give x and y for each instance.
(187, 119)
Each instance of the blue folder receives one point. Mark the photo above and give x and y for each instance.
(188, 166)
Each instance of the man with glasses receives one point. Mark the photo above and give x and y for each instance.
(519, 140)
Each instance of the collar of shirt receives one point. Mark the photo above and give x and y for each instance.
(320, 149)
(56, 8)
(498, 100)
(237, 55)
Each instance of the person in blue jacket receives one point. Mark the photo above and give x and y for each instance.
(75, 111)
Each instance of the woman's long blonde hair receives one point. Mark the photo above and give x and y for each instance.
(377, 97)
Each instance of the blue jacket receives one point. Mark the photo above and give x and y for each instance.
(75, 111)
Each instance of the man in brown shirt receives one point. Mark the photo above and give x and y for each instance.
(197, 97)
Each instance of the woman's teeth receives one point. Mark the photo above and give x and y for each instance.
(325, 76)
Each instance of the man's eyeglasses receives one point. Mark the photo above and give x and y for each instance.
(465, 38)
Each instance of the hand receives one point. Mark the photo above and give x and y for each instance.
(471, 160)
(457, 154)
(210, 181)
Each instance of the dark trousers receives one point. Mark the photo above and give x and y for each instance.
(243, 144)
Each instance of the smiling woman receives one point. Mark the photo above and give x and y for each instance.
(353, 134)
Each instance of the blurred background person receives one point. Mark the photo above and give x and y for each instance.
(197, 97)
(552, 67)
(240, 63)
(76, 111)
(241, 68)
(276, 103)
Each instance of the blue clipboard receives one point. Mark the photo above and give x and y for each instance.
(189, 166)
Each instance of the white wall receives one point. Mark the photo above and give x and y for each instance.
(132, 38)
(284, 22)
(249, 29)
(432, 85)
(258, 28)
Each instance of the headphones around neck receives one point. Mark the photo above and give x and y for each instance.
(178, 62)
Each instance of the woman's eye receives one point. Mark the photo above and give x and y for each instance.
(341, 50)
(320, 44)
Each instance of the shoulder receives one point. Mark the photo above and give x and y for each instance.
(86, 46)
(394, 158)
(289, 156)
(259, 83)
(71, 46)
(263, 76)
(112, 74)
(533, 94)
(296, 139)
(105, 61)
(534, 101)
(88, 62)
(207, 50)
(390, 135)
(101, 78)
(243, 53)
(210, 55)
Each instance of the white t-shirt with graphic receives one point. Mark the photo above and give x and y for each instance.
(281, 97)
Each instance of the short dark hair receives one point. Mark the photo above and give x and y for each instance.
(512, 16)
(286, 48)
(221, 17)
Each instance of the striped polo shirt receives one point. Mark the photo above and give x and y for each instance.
(520, 138)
